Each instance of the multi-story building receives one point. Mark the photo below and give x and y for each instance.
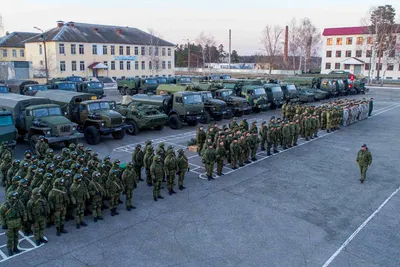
(13, 62)
(88, 50)
(352, 49)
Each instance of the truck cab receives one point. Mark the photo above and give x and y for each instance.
(8, 132)
(290, 92)
(255, 96)
(4, 89)
(213, 108)
(92, 87)
(63, 85)
(32, 89)
(274, 94)
(236, 104)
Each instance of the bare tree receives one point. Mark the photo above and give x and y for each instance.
(272, 43)
(294, 42)
(202, 41)
(309, 40)
(1, 25)
(154, 51)
(40, 71)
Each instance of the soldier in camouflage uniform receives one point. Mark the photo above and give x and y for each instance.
(41, 148)
(130, 183)
(147, 144)
(244, 125)
(65, 154)
(170, 169)
(253, 141)
(157, 173)
(38, 178)
(233, 124)
(137, 159)
(234, 152)
(161, 152)
(24, 194)
(80, 149)
(97, 192)
(14, 184)
(182, 165)
(58, 201)
(38, 209)
(220, 157)
(200, 139)
(307, 127)
(148, 160)
(263, 135)
(114, 189)
(79, 195)
(6, 163)
(208, 159)
(285, 132)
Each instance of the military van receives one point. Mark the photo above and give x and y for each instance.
(94, 117)
(32, 89)
(8, 132)
(92, 87)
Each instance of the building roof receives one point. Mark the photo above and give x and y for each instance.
(353, 61)
(345, 31)
(95, 33)
(16, 39)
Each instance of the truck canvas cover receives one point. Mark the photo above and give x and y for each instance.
(64, 98)
(16, 104)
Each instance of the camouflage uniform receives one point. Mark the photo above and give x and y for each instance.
(130, 183)
(114, 189)
(38, 209)
(24, 194)
(97, 192)
(220, 156)
(58, 201)
(182, 165)
(171, 168)
(253, 142)
(79, 195)
(200, 139)
(208, 159)
(148, 160)
(157, 173)
(41, 148)
(137, 159)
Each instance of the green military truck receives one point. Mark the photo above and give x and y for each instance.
(62, 85)
(237, 105)
(274, 94)
(314, 82)
(181, 106)
(36, 116)
(140, 116)
(4, 89)
(17, 86)
(94, 117)
(132, 86)
(8, 132)
(290, 92)
(91, 87)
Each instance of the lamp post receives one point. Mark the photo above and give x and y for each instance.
(45, 53)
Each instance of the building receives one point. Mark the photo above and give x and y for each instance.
(13, 62)
(351, 49)
(92, 50)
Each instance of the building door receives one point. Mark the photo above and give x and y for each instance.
(21, 69)
(357, 69)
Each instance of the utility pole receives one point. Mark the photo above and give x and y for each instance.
(230, 47)
(45, 53)
(188, 56)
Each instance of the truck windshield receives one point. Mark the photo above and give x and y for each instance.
(226, 93)
(259, 91)
(151, 81)
(6, 120)
(192, 99)
(43, 112)
(276, 89)
(67, 86)
(226, 77)
(162, 80)
(75, 79)
(185, 80)
(291, 87)
(3, 89)
(206, 96)
(95, 85)
(99, 105)
(37, 88)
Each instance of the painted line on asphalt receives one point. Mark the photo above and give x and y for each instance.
(23, 250)
(329, 261)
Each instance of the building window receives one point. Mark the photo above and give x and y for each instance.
(337, 66)
(40, 49)
(112, 65)
(368, 53)
(73, 65)
(61, 49)
(370, 40)
(163, 66)
(157, 65)
(169, 65)
(143, 65)
(136, 51)
(82, 65)
(358, 53)
(128, 65)
(73, 49)
(41, 62)
(349, 40)
(121, 50)
(327, 66)
(21, 53)
(150, 65)
(150, 51)
(169, 52)
(128, 50)
(113, 50)
(143, 51)
(328, 53)
(163, 52)
(346, 66)
(348, 53)
(104, 50)
(121, 65)
(390, 66)
(62, 65)
(81, 50)
(14, 52)
(329, 41)
(4, 52)
(360, 40)
(338, 41)
(378, 66)
(366, 66)
(338, 53)
(136, 65)
(105, 63)
(94, 49)
(156, 51)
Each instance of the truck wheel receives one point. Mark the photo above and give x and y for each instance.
(206, 118)
(32, 142)
(118, 135)
(134, 129)
(159, 127)
(174, 122)
(92, 135)
(193, 123)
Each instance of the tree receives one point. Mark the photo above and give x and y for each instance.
(234, 57)
(294, 42)
(272, 42)
(309, 40)
(1, 25)
(221, 53)
(154, 51)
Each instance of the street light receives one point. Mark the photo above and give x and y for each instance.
(45, 53)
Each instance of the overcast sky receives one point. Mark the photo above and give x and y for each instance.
(177, 20)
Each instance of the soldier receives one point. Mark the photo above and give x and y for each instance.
(27, 159)
(220, 156)
(253, 142)
(253, 128)
(38, 178)
(270, 135)
(38, 209)
(244, 125)
(208, 159)
(97, 192)
(170, 169)
(58, 201)
(161, 152)
(72, 147)
(12, 214)
(114, 189)
(307, 127)
(182, 165)
(87, 155)
(364, 160)
(200, 139)
(6, 163)
(370, 107)
(157, 173)
(65, 154)
(234, 152)
(263, 135)
(296, 132)
(79, 195)
(148, 160)
(24, 194)
(14, 184)
(137, 159)
(228, 142)
(285, 131)
(41, 148)
(233, 125)
(129, 182)
(284, 109)
(210, 134)
(147, 144)
(31, 173)
(80, 149)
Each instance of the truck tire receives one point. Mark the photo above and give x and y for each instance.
(118, 135)
(92, 135)
(159, 127)
(174, 122)
(134, 130)
(206, 118)
(32, 142)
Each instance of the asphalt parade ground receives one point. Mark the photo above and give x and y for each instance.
(302, 207)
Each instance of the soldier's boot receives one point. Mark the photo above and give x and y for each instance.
(269, 153)
(170, 192)
(182, 187)
(78, 226)
(328, 131)
(83, 224)
(37, 242)
(149, 184)
(10, 252)
(160, 197)
(128, 208)
(254, 159)
(95, 219)
(307, 139)
(100, 218)
(155, 199)
(62, 230)
(115, 211)
(43, 240)
(120, 201)
(58, 231)
(263, 149)
(173, 192)
(276, 151)
(16, 250)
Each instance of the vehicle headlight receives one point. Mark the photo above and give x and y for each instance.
(102, 124)
(48, 132)
(188, 112)
(202, 111)
(214, 108)
(73, 128)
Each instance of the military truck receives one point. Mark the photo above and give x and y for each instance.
(140, 116)
(132, 86)
(180, 107)
(17, 86)
(237, 105)
(36, 116)
(8, 132)
(94, 117)
(4, 89)
(314, 82)
(92, 87)
(290, 92)
(32, 89)
(62, 85)
(274, 94)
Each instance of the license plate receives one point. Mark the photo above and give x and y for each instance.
(118, 129)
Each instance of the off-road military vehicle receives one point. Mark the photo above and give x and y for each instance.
(17, 86)
(8, 132)
(32, 89)
(237, 105)
(180, 107)
(94, 117)
(290, 92)
(275, 94)
(62, 85)
(140, 116)
(132, 86)
(36, 116)
(91, 87)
